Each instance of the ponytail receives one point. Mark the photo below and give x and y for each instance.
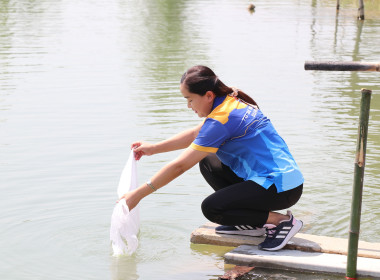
(200, 79)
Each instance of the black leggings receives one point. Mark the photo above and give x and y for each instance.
(239, 202)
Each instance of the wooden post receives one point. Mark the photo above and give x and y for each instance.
(356, 205)
(361, 10)
(342, 66)
(337, 4)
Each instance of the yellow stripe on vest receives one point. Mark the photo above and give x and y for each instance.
(203, 149)
(222, 112)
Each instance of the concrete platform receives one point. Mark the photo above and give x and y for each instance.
(249, 255)
(304, 252)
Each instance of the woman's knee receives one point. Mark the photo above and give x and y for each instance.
(209, 164)
(295, 194)
(203, 166)
(209, 209)
(206, 208)
(210, 168)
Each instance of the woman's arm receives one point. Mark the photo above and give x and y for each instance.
(168, 173)
(180, 141)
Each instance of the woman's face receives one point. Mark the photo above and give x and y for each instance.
(201, 105)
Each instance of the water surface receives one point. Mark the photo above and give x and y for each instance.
(81, 80)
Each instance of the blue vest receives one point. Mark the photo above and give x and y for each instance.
(246, 141)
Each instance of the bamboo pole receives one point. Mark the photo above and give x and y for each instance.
(342, 66)
(356, 205)
(361, 10)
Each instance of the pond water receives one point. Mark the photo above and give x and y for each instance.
(81, 80)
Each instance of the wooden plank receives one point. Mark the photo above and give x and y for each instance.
(342, 66)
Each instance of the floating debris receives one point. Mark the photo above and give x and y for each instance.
(251, 8)
(236, 272)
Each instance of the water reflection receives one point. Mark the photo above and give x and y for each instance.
(338, 97)
(124, 268)
(168, 49)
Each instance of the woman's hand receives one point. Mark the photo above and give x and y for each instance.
(142, 149)
(131, 199)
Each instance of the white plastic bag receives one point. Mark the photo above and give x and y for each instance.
(124, 223)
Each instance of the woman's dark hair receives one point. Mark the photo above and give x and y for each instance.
(200, 79)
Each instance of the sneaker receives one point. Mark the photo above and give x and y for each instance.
(279, 236)
(241, 230)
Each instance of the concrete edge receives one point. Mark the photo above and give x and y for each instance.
(205, 234)
(249, 255)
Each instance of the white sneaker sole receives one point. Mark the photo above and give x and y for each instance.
(295, 229)
(247, 232)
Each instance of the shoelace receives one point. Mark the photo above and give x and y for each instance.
(271, 232)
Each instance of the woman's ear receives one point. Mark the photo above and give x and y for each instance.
(210, 95)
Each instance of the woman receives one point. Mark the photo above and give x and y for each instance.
(241, 156)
